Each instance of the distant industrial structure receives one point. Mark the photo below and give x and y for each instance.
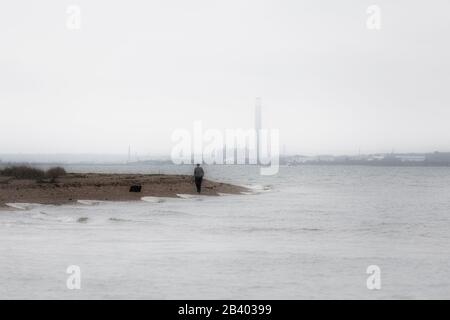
(258, 127)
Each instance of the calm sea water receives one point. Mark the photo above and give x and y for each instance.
(311, 232)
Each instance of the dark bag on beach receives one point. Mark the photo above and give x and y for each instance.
(135, 188)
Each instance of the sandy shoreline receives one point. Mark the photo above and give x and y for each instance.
(106, 187)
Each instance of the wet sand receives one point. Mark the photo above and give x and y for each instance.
(106, 187)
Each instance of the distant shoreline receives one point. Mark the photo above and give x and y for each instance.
(368, 164)
(105, 187)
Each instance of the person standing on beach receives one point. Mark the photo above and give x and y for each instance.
(198, 177)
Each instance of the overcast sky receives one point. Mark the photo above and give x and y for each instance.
(138, 70)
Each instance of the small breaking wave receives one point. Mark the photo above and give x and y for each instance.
(277, 229)
(23, 206)
(83, 220)
(120, 220)
(90, 202)
(191, 196)
(257, 188)
(169, 213)
(153, 199)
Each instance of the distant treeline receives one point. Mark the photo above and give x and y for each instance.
(377, 163)
(436, 159)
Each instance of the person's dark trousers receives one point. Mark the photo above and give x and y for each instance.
(198, 184)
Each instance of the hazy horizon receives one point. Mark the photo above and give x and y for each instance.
(121, 158)
(136, 71)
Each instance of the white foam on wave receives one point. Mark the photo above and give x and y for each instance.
(153, 199)
(248, 193)
(22, 206)
(256, 189)
(222, 194)
(160, 199)
(90, 202)
(190, 196)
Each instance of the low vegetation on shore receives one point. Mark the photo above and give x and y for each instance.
(30, 173)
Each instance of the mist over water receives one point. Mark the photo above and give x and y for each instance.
(310, 232)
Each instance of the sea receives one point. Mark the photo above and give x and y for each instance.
(309, 232)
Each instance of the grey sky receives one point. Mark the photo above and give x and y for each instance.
(137, 70)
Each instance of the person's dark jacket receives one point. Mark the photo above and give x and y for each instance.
(198, 172)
